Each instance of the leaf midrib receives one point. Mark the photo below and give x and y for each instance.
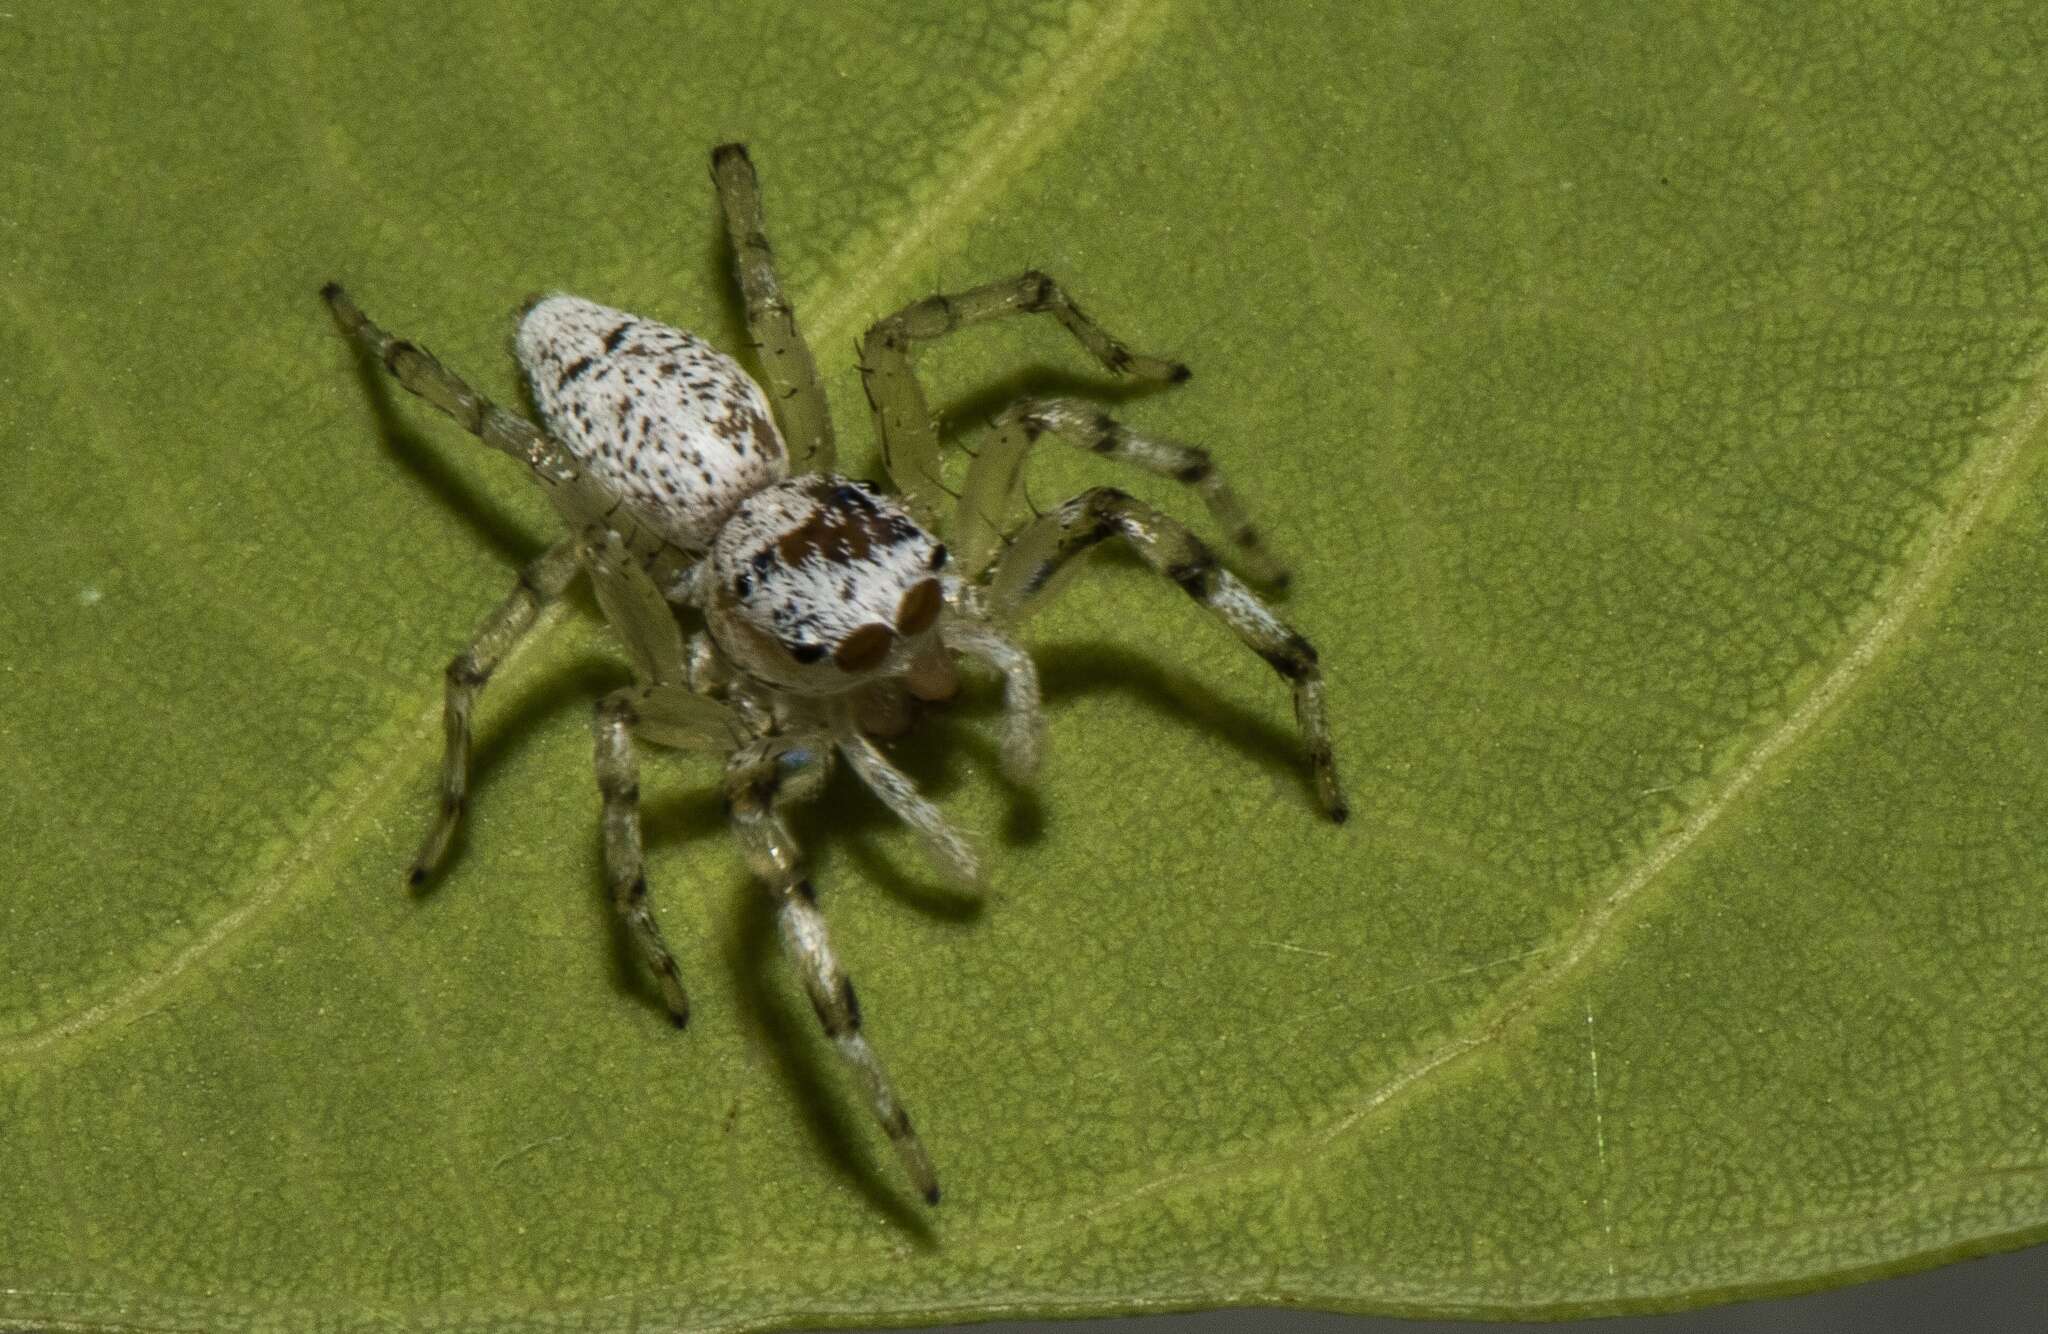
(1914, 587)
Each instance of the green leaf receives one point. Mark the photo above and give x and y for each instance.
(1651, 402)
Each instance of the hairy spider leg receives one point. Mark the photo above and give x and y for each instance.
(947, 847)
(793, 383)
(636, 609)
(618, 781)
(1029, 573)
(903, 419)
(543, 580)
(1023, 711)
(752, 782)
(990, 491)
(581, 499)
(670, 716)
(417, 371)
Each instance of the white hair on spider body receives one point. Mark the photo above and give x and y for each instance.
(670, 422)
(820, 583)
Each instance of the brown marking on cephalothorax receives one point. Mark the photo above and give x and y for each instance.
(919, 607)
(864, 648)
(846, 527)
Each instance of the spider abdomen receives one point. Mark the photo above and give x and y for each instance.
(671, 423)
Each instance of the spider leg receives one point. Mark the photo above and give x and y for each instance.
(670, 716)
(752, 785)
(1026, 577)
(542, 581)
(991, 486)
(704, 668)
(416, 370)
(634, 607)
(903, 419)
(1023, 712)
(945, 845)
(785, 358)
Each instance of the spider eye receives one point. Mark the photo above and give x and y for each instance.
(919, 607)
(938, 560)
(806, 653)
(866, 647)
(853, 494)
(742, 585)
(763, 561)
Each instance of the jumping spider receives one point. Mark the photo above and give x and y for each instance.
(826, 605)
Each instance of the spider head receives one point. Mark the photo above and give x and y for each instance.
(824, 584)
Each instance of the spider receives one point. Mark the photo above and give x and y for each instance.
(823, 607)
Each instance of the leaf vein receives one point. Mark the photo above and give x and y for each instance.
(1916, 587)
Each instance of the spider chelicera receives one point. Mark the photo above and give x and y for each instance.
(826, 606)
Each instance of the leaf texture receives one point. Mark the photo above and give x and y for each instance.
(1651, 405)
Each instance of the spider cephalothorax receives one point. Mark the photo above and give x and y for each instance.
(820, 581)
(823, 601)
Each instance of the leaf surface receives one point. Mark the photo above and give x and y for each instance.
(1652, 405)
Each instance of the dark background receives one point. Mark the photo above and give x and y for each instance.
(1998, 1294)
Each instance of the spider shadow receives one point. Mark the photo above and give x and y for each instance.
(1068, 671)
(829, 1110)
(517, 720)
(832, 1111)
(845, 822)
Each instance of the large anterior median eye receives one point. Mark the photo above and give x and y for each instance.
(919, 607)
(864, 648)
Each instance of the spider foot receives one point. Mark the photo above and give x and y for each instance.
(434, 847)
